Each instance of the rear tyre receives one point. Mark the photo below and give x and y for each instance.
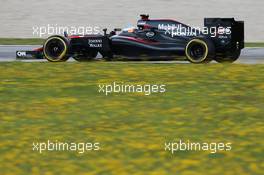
(86, 56)
(200, 50)
(55, 49)
(228, 57)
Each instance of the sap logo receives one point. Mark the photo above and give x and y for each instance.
(21, 54)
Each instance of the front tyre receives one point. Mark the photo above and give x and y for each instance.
(56, 48)
(200, 50)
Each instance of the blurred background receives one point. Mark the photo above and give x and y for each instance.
(19, 16)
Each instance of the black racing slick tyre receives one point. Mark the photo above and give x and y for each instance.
(228, 57)
(200, 50)
(55, 49)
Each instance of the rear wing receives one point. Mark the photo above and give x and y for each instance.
(230, 33)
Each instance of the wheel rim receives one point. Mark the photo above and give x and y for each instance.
(196, 51)
(55, 49)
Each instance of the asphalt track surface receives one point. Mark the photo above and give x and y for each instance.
(248, 55)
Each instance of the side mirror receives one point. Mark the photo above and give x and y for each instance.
(105, 30)
(117, 29)
(65, 34)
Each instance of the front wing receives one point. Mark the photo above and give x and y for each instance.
(29, 54)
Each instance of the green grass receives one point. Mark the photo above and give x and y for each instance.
(203, 103)
(39, 41)
(256, 44)
(21, 41)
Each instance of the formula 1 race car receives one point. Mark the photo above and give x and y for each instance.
(221, 39)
